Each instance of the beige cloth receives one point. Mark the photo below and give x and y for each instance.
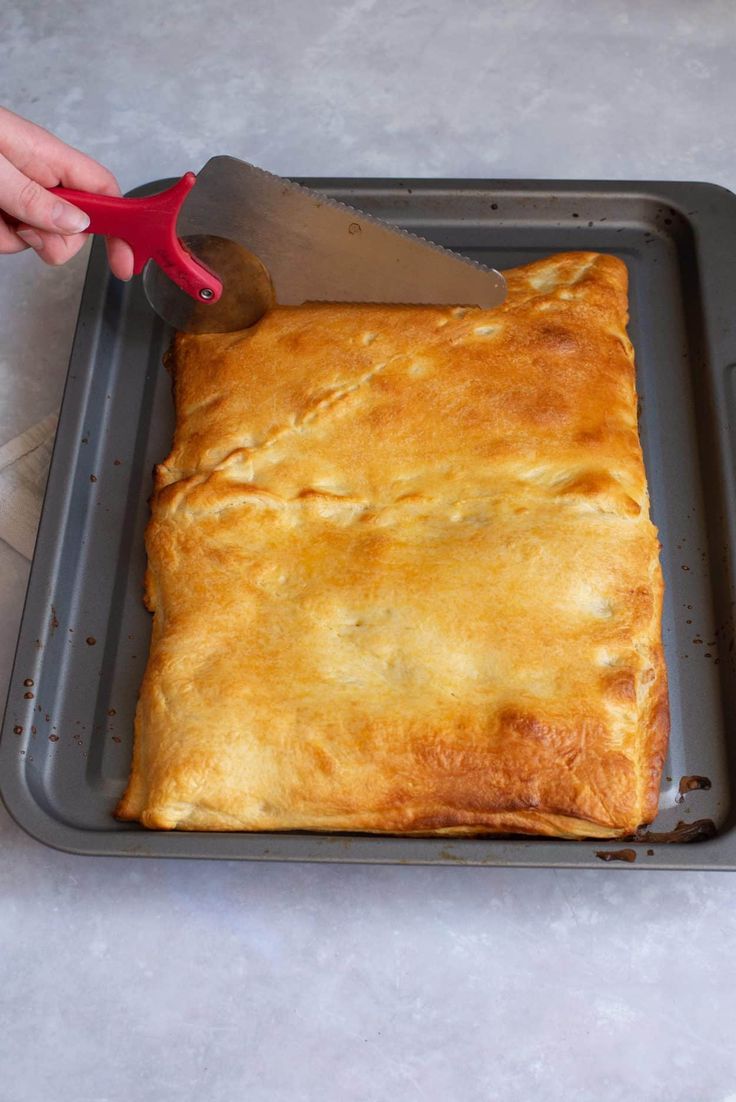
(24, 465)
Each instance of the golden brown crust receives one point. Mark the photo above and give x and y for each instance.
(403, 574)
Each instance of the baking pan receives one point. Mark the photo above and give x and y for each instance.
(67, 734)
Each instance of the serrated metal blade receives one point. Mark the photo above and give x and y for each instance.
(318, 249)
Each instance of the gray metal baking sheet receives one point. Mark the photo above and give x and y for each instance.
(67, 734)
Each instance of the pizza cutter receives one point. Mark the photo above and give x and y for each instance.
(218, 249)
(199, 283)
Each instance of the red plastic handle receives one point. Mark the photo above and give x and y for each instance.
(149, 226)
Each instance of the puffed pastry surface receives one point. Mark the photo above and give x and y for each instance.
(403, 574)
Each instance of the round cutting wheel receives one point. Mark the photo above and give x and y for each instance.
(246, 296)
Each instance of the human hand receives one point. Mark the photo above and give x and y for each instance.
(32, 160)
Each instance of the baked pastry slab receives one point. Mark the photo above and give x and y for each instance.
(403, 574)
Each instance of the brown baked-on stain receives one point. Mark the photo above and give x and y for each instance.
(699, 831)
(692, 784)
(90, 640)
(28, 696)
(54, 619)
(616, 855)
(93, 478)
(53, 738)
(28, 682)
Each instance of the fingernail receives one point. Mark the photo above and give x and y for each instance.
(69, 219)
(31, 238)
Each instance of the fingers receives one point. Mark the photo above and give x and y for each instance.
(31, 161)
(120, 258)
(9, 240)
(53, 248)
(30, 203)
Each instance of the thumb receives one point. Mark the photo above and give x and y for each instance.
(26, 200)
